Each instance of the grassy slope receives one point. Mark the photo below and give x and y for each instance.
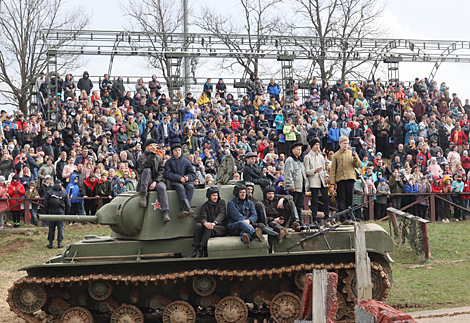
(438, 283)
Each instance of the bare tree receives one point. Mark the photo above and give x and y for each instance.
(260, 18)
(23, 25)
(161, 18)
(339, 26)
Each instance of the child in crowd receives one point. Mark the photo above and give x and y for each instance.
(383, 190)
(457, 188)
(424, 186)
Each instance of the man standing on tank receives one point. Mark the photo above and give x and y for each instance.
(252, 173)
(56, 202)
(241, 216)
(181, 174)
(212, 224)
(152, 171)
(295, 179)
(343, 174)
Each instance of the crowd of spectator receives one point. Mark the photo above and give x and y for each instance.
(94, 145)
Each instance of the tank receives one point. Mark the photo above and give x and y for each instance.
(144, 269)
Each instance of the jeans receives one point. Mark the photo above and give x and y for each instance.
(60, 228)
(465, 205)
(34, 215)
(334, 146)
(314, 202)
(240, 228)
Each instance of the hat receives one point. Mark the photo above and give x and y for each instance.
(33, 183)
(174, 146)
(433, 124)
(364, 143)
(250, 154)
(57, 182)
(149, 141)
(382, 180)
(297, 144)
(420, 157)
(238, 188)
(436, 177)
(2, 178)
(340, 80)
(108, 133)
(269, 189)
(465, 152)
(105, 173)
(429, 176)
(412, 141)
(314, 141)
(212, 190)
(47, 177)
(343, 139)
(379, 154)
(210, 131)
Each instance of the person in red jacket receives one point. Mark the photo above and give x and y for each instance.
(21, 123)
(262, 147)
(235, 123)
(16, 191)
(458, 137)
(436, 186)
(425, 154)
(465, 161)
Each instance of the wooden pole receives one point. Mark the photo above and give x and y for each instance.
(363, 275)
(432, 209)
(393, 218)
(426, 247)
(319, 295)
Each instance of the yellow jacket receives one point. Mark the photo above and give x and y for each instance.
(289, 132)
(342, 166)
(203, 100)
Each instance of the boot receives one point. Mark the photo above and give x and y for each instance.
(269, 231)
(258, 234)
(143, 199)
(262, 218)
(246, 240)
(204, 251)
(60, 245)
(166, 217)
(187, 206)
(282, 233)
(183, 213)
(49, 245)
(194, 255)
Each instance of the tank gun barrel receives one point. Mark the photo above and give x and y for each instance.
(70, 218)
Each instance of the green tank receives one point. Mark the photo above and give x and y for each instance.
(143, 269)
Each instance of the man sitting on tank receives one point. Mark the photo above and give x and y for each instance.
(241, 216)
(252, 173)
(212, 224)
(151, 176)
(181, 174)
(263, 222)
(279, 209)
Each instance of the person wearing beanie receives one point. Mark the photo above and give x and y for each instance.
(241, 216)
(382, 191)
(16, 191)
(151, 177)
(56, 202)
(212, 223)
(32, 193)
(343, 175)
(318, 180)
(295, 179)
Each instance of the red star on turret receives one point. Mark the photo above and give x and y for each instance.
(156, 205)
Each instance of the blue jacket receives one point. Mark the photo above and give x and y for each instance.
(333, 135)
(236, 109)
(411, 188)
(279, 118)
(117, 189)
(273, 89)
(240, 210)
(177, 168)
(73, 190)
(413, 127)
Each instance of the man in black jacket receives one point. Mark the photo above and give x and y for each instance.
(181, 174)
(56, 202)
(398, 131)
(151, 171)
(252, 173)
(212, 224)
(85, 83)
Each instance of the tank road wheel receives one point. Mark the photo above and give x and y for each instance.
(127, 314)
(285, 307)
(380, 285)
(179, 312)
(100, 289)
(342, 306)
(29, 298)
(77, 315)
(231, 309)
(204, 285)
(300, 279)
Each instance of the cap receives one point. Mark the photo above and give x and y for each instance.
(297, 144)
(420, 157)
(382, 180)
(379, 154)
(436, 177)
(2, 178)
(149, 141)
(250, 154)
(48, 177)
(108, 133)
(57, 181)
(174, 146)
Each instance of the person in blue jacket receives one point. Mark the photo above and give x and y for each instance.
(273, 89)
(279, 122)
(411, 188)
(73, 190)
(333, 136)
(411, 129)
(241, 215)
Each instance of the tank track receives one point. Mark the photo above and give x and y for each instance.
(345, 281)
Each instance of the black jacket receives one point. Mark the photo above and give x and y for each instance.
(154, 162)
(57, 201)
(85, 84)
(255, 175)
(214, 212)
(177, 168)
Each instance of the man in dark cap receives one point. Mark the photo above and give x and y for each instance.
(279, 211)
(252, 173)
(241, 216)
(151, 177)
(181, 174)
(295, 178)
(212, 224)
(56, 201)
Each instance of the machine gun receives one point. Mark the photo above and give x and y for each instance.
(322, 231)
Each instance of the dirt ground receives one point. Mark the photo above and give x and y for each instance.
(6, 280)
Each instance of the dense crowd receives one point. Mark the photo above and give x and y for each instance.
(93, 147)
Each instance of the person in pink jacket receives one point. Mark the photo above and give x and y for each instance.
(3, 203)
(68, 169)
(434, 169)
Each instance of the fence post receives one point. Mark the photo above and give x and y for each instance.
(393, 218)
(426, 247)
(26, 212)
(371, 208)
(319, 295)
(432, 208)
(363, 275)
